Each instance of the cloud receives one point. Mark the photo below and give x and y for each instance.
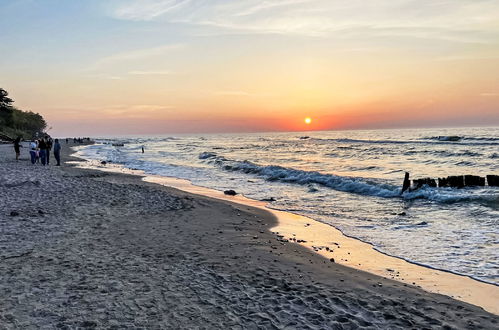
(468, 58)
(454, 21)
(266, 5)
(137, 54)
(232, 93)
(489, 94)
(149, 73)
(118, 110)
(140, 10)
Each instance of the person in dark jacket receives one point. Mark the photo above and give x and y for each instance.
(42, 145)
(57, 152)
(48, 141)
(17, 147)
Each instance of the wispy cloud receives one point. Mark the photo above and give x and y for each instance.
(232, 93)
(120, 110)
(267, 5)
(138, 54)
(461, 21)
(149, 73)
(469, 57)
(137, 111)
(140, 10)
(489, 94)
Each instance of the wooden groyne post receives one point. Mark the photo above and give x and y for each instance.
(454, 181)
(493, 180)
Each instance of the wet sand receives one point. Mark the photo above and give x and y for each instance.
(83, 248)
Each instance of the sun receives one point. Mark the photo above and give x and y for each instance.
(308, 120)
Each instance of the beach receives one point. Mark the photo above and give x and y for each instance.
(92, 249)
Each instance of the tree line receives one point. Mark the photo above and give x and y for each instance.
(15, 122)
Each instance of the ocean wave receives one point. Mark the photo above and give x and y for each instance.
(453, 138)
(364, 168)
(356, 185)
(465, 163)
(373, 141)
(442, 153)
(169, 138)
(458, 138)
(487, 196)
(289, 175)
(207, 155)
(427, 140)
(480, 138)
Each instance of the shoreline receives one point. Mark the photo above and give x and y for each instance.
(354, 253)
(91, 249)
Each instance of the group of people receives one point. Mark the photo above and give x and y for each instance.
(40, 150)
(79, 140)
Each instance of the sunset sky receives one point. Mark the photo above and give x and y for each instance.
(98, 67)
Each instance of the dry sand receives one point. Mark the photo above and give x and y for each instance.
(103, 250)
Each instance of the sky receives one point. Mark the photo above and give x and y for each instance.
(93, 67)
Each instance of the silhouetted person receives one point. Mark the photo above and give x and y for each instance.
(57, 152)
(17, 147)
(142, 149)
(67, 140)
(42, 145)
(48, 141)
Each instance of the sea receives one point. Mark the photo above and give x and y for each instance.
(351, 180)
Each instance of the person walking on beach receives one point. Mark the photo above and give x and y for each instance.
(32, 151)
(57, 152)
(17, 147)
(48, 141)
(42, 145)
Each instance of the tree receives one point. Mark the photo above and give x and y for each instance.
(6, 109)
(5, 101)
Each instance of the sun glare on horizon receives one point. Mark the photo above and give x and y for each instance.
(308, 120)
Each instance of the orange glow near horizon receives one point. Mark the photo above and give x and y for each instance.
(308, 120)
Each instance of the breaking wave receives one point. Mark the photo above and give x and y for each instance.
(356, 185)
(427, 140)
(289, 175)
(453, 138)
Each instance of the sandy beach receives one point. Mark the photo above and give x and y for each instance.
(88, 249)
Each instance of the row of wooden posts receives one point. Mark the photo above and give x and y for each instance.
(455, 181)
